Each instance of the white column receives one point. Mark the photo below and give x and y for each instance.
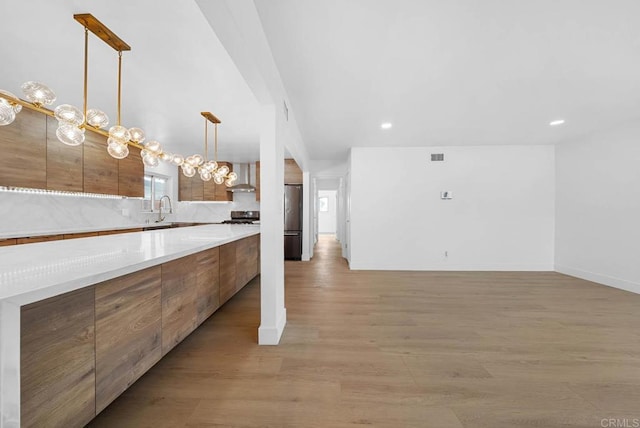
(9, 365)
(273, 315)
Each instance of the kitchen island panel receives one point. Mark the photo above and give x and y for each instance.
(247, 260)
(179, 300)
(227, 271)
(128, 331)
(208, 280)
(57, 361)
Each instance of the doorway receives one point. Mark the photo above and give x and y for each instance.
(327, 212)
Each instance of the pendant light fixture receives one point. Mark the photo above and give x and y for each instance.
(207, 169)
(72, 121)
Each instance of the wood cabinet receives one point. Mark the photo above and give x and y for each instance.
(247, 260)
(184, 186)
(79, 235)
(128, 331)
(208, 283)
(131, 174)
(81, 350)
(23, 145)
(179, 297)
(227, 271)
(115, 232)
(64, 163)
(57, 361)
(6, 242)
(34, 239)
(100, 169)
(292, 172)
(33, 157)
(194, 189)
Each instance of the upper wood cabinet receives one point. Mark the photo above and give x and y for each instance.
(194, 189)
(33, 157)
(100, 169)
(24, 151)
(64, 163)
(292, 172)
(131, 175)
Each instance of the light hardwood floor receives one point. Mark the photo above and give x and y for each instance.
(403, 349)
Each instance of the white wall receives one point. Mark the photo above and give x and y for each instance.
(500, 218)
(327, 219)
(598, 207)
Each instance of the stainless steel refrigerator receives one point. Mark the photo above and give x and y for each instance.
(293, 221)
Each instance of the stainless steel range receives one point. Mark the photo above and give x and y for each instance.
(243, 217)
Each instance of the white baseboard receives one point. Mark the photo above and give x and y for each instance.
(366, 265)
(270, 335)
(610, 281)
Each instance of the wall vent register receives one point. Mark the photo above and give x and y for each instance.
(437, 157)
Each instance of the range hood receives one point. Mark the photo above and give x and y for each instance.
(244, 179)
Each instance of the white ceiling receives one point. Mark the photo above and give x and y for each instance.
(177, 68)
(459, 72)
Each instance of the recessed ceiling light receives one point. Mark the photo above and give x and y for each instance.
(556, 122)
(386, 125)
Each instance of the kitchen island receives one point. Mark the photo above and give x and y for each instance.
(82, 319)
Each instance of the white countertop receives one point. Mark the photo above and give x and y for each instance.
(32, 272)
(82, 229)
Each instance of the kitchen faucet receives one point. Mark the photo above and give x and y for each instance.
(160, 217)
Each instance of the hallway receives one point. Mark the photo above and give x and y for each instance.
(402, 349)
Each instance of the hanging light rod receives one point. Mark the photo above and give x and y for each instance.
(210, 117)
(92, 24)
(72, 122)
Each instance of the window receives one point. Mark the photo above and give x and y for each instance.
(324, 204)
(154, 187)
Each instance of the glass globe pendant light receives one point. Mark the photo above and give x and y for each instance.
(38, 93)
(188, 170)
(116, 149)
(69, 129)
(137, 135)
(8, 109)
(97, 118)
(208, 169)
(177, 160)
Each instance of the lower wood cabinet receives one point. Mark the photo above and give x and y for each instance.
(208, 283)
(128, 331)
(179, 296)
(81, 350)
(227, 271)
(57, 361)
(247, 260)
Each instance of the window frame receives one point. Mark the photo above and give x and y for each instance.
(153, 200)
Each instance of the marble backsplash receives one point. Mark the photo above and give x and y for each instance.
(26, 213)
